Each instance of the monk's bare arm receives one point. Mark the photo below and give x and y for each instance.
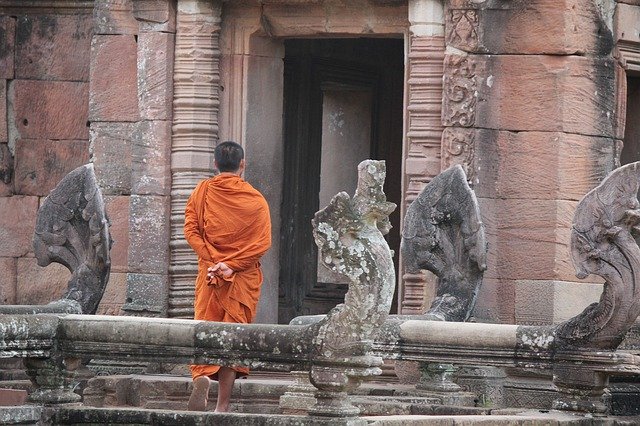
(191, 229)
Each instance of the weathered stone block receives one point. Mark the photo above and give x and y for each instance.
(7, 46)
(552, 302)
(113, 59)
(8, 281)
(562, 27)
(50, 109)
(146, 294)
(118, 211)
(37, 285)
(553, 93)
(534, 165)
(41, 164)
(149, 234)
(17, 224)
(6, 171)
(53, 47)
(111, 154)
(496, 301)
(114, 17)
(339, 17)
(114, 295)
(155, 15)
(627, 22)
(528, 239)
(4, 135)
(155, 75)
(151, 158)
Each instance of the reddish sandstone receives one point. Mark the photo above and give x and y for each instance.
(7, 46)
(3, 111)
(118, 212)
(37, 285)
(53, 47)
(155, 85)
(111, 152)
(41, 164)
(114, 17)
(539, 165)
(151, 158)
(528, 239)
(113, 59)
(8, 281)
(17, 224)
(564, 27)
(50, 109)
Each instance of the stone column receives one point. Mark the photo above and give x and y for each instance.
(130, 95)
(423, 124)
(535, 120)
(195, 133)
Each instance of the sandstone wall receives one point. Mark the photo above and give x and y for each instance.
(533, 104)
(44, 134)
(88, 81)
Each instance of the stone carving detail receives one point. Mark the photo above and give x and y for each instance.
(424, 134)
(458, 147)
(462, 29)
(350, 238)
(72, 228)
(603, 243)
(195, 131)
(460, 91)
(443, 233)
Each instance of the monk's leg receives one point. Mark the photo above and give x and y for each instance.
(199, 394)
(226, 378)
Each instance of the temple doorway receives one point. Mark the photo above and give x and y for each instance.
(343, 103)
(631, 149)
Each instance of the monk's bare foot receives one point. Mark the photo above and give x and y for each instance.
(199, 394)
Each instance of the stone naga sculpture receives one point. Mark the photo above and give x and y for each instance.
(443, 233)
(72, 228)
(603, 243)
(350, 237)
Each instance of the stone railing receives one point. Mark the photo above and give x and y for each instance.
(348, 344)
(337, 350)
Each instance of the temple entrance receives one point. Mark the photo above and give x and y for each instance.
(343, 103)
(631, 150)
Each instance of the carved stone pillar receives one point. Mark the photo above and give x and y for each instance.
(424, 126)
(195, 133)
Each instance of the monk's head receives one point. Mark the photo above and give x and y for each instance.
(229, 157)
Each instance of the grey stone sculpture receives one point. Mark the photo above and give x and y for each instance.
(443, 233)
(603, 243)
(350, 237)
(72, 228)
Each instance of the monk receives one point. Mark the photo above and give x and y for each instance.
(228, 226)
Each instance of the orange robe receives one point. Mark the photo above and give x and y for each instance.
(227, 220)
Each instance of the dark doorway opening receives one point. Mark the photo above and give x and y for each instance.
(631, 149)
(343, 103)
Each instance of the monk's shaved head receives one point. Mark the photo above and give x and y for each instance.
(228, 156)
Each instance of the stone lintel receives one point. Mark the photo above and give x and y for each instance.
(542, 302)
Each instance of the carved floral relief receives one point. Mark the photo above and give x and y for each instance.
(460, 92)
(462, 29)
(458, 147)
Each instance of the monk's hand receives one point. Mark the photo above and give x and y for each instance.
(219, 268)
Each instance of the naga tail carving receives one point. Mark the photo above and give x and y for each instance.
(349, 234)
(72, 228)
(443, 233)
(603, 243)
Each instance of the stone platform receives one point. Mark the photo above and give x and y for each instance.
(260, 393)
